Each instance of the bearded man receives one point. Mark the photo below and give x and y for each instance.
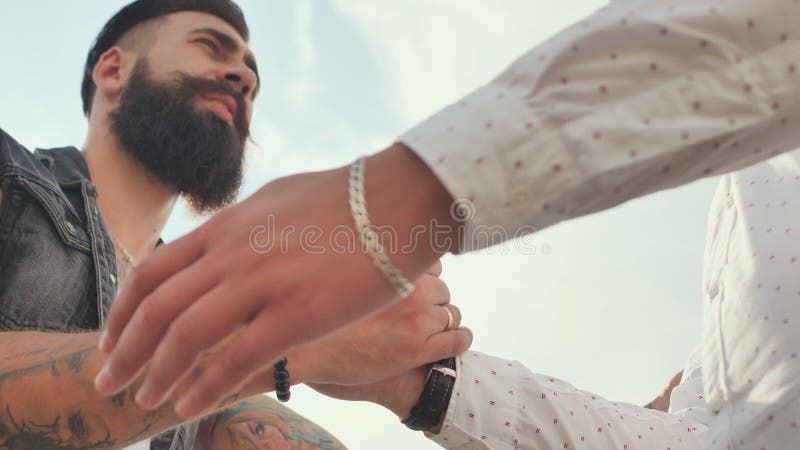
(168, 92)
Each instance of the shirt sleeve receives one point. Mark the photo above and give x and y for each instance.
(499, 404)
(640, 96)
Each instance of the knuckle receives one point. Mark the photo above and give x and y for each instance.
(148, 312)
(182, 334)
(234, 363)
(422, 287)
(444, 290)
(431, 289)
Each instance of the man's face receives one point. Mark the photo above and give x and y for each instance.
(205, 46)
(184, 113)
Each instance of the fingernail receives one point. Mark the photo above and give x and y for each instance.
(102, 382)
(144, 398)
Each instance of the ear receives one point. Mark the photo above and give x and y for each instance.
(111, 72)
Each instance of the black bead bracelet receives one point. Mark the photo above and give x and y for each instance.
(282, 380)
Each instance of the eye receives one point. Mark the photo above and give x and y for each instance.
(259, 430)
(210, 44)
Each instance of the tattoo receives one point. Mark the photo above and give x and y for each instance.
(119, 399)
(262, 423)
(48, 400)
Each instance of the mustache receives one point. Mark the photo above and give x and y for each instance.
(196, 86)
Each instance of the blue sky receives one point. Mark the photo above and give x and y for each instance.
(614, 308)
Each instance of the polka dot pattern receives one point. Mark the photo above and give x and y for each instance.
(644, 95)
(512, 408)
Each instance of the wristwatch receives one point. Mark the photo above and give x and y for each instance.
(435, 397)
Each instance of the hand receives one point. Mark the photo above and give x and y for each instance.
(409, 334)
(196, 291)
(661, 403)
(398, 394)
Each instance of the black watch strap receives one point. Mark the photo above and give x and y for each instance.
(435, 396)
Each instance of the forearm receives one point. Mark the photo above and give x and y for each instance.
(497, 403)
(661, 403)
(48, 400)
(406, 197)
(261, 422)
(634, 99)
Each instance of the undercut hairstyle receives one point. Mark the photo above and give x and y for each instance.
(141, 11)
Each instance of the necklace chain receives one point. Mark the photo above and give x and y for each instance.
(126, 256)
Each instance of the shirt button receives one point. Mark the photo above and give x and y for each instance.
(70, 228)
(112, 278)
(730, 201)
(519, 196)
(713, 290)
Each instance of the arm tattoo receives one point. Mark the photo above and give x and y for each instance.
(263, 423)
(48, 401)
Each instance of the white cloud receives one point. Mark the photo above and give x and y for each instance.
(300, 88)
(434, 52)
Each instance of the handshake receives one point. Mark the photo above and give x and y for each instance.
(382, 359)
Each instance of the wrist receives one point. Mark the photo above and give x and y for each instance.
(264, 381)
(403, 192)
(401, 397)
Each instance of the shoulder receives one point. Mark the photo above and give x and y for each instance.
(13, 154)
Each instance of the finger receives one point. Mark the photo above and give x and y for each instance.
(432, 290)
(255, 346)
(147, 276)
(200, 327)
(449, 343)
(149, 323)
(435, 269)
(452, 317)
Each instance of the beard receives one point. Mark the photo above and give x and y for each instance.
(196, 153)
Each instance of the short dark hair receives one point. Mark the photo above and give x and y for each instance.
(141, 11)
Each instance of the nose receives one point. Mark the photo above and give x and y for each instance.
(242, 79)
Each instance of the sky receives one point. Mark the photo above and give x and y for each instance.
(609, 302)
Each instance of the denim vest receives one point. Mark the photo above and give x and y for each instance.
(57, 260)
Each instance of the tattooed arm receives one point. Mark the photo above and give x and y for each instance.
(262, 423)
(48, 400)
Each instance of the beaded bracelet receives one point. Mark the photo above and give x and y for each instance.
(282, 384)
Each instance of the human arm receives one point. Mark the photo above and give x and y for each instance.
(661, 403)
(261, 422)
(498, 403)
(46, 378)
(48, 400)
(693, 94)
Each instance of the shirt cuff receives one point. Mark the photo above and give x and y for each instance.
(484, 400)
